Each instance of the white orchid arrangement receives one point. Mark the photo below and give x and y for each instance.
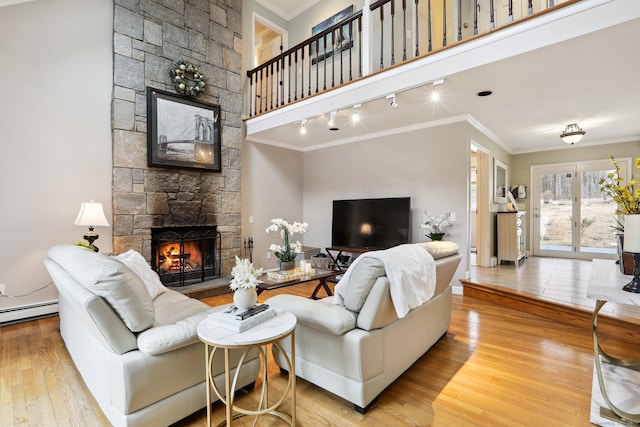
(245, 275)
(437, 225)
(288, 250)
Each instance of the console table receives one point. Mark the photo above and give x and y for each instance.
(339, 250)
(623, 400)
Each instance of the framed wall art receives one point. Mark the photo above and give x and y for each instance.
(182, 133)
(320, 52)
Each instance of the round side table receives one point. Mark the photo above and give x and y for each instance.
(269, 332)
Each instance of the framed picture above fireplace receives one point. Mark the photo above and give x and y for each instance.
(182, 133)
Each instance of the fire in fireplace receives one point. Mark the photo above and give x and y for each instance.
(185, 255)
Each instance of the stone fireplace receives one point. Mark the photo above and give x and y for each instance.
(149, 36)
(186, 255)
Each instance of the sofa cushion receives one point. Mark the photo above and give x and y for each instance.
(176, 323)
(320, 315)
(111, 279)
(440, 248)
(136, 262)
(362, 278)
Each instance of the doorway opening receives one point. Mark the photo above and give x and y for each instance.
(479, 218)
(269, 40)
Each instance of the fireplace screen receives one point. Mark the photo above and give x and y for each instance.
(185, 255)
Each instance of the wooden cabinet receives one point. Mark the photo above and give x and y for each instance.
(511, 236)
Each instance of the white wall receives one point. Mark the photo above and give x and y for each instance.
(54, 133)
(272, 187)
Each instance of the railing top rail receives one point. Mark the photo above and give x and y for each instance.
(356, 15)
(378, 4)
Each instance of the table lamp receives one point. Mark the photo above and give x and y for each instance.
(632, 245)
(92, 215)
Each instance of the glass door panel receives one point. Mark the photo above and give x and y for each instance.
(556, 207)
(597, 215)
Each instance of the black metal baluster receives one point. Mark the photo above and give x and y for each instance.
(289, 85)
(302, 71)
(404, 30)
(417, 30)
(430, 45)
(459, 20)
(341, 56)
(295, 79)
(393, 42)
(310, 63)
(251, 93)
(278, 77)
(350, 50)
(282, 81)
(359, 47)
(324, 68)
(511, 10)
(444, 23)
(475, 17)
(317, 67)
(381, 37)
(261, 91)
(334, 42)
(270, 83)
(492, 12)
(530, 8)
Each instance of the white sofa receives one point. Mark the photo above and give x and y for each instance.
(134, 341)
(356, 349)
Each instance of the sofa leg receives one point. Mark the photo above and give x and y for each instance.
(362, 410)
(249, 387)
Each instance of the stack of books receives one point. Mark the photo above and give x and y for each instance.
(235, 321)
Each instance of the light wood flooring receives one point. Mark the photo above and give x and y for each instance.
(559, 280)
(496, 366)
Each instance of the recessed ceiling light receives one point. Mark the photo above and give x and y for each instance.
(485, 93)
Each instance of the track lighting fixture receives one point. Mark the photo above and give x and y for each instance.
(355, 116)
(572, 134)
(332, 119)
(393, 102)
(435, 95)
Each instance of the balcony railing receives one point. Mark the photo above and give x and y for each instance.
(383, 34)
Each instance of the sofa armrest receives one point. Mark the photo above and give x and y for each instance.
(329, 318)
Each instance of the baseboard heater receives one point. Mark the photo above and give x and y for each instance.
(28, 312)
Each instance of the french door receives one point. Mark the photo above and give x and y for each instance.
(571, 216)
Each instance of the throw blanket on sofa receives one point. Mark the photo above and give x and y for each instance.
(411, 271)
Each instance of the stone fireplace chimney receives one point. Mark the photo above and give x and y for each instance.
(148, 38)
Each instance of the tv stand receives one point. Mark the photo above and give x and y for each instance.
(340, 250)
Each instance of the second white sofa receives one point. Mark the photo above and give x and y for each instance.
(356, 349)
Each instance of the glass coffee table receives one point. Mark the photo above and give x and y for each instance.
(318, 274)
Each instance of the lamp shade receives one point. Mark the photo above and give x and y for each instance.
(91, 214)
(631, 233)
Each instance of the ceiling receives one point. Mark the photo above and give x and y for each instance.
(592, 80)
(287, 9)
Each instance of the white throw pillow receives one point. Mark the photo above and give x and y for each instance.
(136, 262)
(109, 278)
(440, 248)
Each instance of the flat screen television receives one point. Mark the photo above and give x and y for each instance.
(371, 223)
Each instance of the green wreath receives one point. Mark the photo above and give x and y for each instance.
(179, 76)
